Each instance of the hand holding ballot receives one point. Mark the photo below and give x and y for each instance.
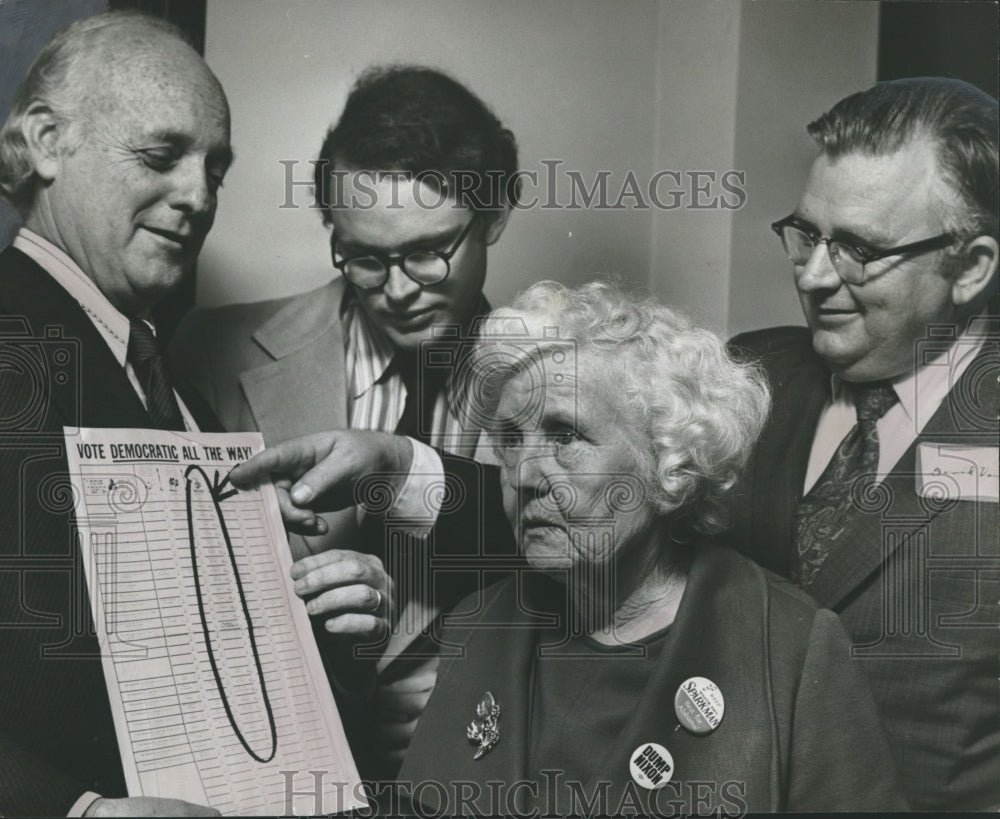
(351, 590)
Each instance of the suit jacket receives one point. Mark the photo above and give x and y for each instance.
(278, 367)
(57, 736)
(914, 580)
(784, 742)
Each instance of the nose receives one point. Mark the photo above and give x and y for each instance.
(819, 272)
(193, 191)
(528, 471)
(398, 286)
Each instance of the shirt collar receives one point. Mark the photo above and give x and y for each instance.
(112, 324)
(369, 342)
(922, 391)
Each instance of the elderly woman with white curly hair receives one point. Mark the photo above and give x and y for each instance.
(628, 665)
(634, 667)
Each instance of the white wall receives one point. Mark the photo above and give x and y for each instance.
(697, 65)
(622, 87)
(797, 58)
(572, 78)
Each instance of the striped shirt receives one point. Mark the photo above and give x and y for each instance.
(377, 394)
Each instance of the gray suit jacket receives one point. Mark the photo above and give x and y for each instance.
(278, 367)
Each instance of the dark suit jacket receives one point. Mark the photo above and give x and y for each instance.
(914, 580)
(57, 737)
(800, 730)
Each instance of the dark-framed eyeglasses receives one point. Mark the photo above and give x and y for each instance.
(425, 267)
(849, 260)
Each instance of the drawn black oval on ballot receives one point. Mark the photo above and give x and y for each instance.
(264, 700)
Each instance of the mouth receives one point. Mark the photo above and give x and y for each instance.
(835, 315)
(411, 320)
(171, 238)
(540, 523)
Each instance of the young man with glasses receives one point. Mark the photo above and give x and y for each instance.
(416, 180)
(874, 484)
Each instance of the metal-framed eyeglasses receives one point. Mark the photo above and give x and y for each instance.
(849, 260)
(425, 267)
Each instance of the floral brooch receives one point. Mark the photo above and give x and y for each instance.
(484, 728)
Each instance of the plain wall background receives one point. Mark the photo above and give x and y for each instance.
(684, 85)
(573, 80)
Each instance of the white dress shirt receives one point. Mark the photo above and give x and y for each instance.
(920, 394)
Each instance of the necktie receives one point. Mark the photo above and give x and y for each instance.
(418, 411)
(825, 510)
(145, 357)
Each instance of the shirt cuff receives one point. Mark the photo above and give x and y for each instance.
(81, 805)
(422, 493)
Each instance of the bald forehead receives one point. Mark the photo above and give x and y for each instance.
(135, 62)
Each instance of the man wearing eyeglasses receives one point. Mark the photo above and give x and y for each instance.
(415, 181)
(874, 485)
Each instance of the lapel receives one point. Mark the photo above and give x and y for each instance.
(968, 415)
(801, 388)
(197, 406)
(303, 388)
(100, 394)
(720, 633)
(511, 637)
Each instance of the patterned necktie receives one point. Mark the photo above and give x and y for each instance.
(147, 361)
(826, 509)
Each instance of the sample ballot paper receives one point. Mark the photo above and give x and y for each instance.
(215, 680)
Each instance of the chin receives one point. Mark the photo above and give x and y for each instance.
(555, 565)
(834, 349)
(407, 342)
(546, 553)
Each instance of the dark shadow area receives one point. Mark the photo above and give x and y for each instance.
(947, 39)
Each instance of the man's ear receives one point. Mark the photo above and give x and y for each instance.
(976, 270)
(496, 221)
(40, 130)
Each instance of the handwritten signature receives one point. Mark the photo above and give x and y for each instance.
(974, 470)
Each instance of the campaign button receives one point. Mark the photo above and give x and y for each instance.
(699, 705)
(651, 765)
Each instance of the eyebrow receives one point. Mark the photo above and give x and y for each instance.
(870, 238)
(559, 418)
(439, 238)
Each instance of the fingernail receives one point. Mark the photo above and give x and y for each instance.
(301, 493)
(321, 525)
